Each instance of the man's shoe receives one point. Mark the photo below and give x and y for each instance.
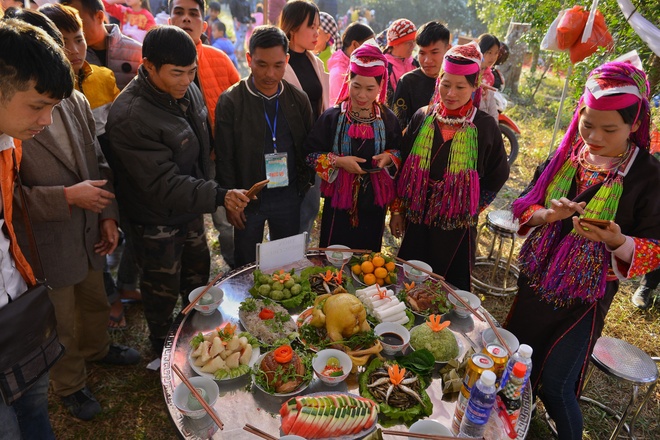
(121, 355)
(642, 297)
(82, 404)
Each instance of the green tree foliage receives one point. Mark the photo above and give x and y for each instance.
(541, 13)
(456, 14)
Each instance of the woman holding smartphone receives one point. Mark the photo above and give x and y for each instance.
(354, 149)
(592, 216)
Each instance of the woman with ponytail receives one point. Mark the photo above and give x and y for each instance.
(454, 166)
(353, 148)
(569, 264)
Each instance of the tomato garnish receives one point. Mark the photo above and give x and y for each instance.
(266, 314)
(283, 354)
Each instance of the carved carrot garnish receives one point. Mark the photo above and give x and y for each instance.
(396, 374)
(382, 294)
(435, 324)
(328, 276)
(281, 277)
(409, 286)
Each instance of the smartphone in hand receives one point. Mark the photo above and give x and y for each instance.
(595, 222)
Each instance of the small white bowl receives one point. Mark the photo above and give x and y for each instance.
(417, 278)
(429, 427)
(470, 298)
(488, 337)
(321, 359)
(207, 309)
(334, 260)
(181, 393)
(390, 327)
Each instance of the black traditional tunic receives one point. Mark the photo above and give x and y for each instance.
(414, 91)
(451, 253)
(542, 325)
(336, 225)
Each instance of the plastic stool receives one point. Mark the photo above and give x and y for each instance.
(503, 229)
(625, 362)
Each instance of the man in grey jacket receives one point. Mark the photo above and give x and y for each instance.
(160, 139)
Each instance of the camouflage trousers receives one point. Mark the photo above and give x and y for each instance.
(173, 260)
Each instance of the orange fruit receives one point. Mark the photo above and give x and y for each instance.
(380, 272)
(357, 270)
(369, 279)
(378, 261)
(388, 279)
(367, 267)
(380, 281)
(390, 266)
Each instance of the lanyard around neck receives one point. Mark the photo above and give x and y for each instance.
(272, 126)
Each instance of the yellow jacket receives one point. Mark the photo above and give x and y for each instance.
(99, 86)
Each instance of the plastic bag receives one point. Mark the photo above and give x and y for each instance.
(600, 36)
(570, 27)
(550, 40)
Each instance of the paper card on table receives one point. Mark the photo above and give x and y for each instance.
(285, 253)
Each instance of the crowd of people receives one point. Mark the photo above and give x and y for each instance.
(134, 139)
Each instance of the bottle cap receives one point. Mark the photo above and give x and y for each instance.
(525, 351)
(519, 369)
(488, 378)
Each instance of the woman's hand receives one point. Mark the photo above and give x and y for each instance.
(611, 235)
(383, 160)
(397, 225)
(562, 209)
(350, 164)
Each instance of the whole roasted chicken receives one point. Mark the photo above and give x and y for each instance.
(343, 315)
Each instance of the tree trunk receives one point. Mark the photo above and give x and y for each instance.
(513, 67)
(654, 73)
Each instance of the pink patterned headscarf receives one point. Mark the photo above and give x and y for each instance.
(367, 60)
(612, 86)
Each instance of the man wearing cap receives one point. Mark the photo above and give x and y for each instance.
(400, 45)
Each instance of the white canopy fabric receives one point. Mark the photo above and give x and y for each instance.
(644, 28)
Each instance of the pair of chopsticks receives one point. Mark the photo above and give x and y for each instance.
(258, 432)
(444, 284)
(355, 251)
(194, 392)
(190, 306)
(425, 436)
(498, 335)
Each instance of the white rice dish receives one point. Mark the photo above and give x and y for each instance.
(269, 330)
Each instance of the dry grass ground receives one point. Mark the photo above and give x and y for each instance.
(132, 400)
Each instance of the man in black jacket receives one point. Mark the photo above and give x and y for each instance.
(261, 124)
(160, 138)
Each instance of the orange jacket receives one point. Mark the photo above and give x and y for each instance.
(7, 175)
(216, 73)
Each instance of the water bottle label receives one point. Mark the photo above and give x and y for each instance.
(477, 414)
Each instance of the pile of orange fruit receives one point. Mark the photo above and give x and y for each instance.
(374, 268)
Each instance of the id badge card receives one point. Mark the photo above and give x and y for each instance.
(276, 170)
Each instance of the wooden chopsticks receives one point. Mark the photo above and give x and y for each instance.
(355, 251)
(498, 335)
(425, 436)
(444, 284)
(194, 392)
(190, 306)
(258, 432)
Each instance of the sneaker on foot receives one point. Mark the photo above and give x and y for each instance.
(642, 297)
(82, 404)
(121, 355)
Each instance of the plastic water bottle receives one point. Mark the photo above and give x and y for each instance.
(477, 412)
(524, 356)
